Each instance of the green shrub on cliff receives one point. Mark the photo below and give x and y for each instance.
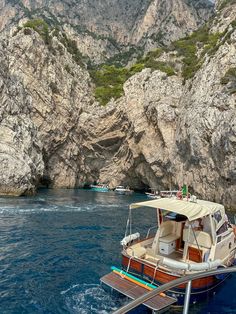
(230, 79)
(104, 93)
(109, 82)
(191, 50)
(154, 54)
(159, 65)
(41, 27)
(188, 47)
(151, 61)
(72, 48)
(137, 67)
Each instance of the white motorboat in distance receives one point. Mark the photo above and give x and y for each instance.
(154, 194)
(120, 189)
(100, 187)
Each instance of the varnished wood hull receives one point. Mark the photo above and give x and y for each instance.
(200, 287)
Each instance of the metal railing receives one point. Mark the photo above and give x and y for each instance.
(186, 279)
(154, 227)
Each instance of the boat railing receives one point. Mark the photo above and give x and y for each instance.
(174, 283)
(151, 228)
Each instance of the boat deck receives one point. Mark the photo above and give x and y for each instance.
(150, 257)
(133, 291)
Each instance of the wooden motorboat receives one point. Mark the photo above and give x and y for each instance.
(192, 236)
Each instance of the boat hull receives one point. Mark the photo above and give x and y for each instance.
(201, 288)
(99, 190)
(123, 192)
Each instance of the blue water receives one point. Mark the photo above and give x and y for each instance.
(55, 246)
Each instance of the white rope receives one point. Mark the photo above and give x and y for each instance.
(129, 264)
(155, 272)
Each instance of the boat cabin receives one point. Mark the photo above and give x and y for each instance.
(190, 236)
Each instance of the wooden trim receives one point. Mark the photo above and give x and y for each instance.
(161, 277)
(195, 254)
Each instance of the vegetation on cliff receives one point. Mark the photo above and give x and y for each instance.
(190, 51)
(47, 33)
(109, 78)
(40, 26)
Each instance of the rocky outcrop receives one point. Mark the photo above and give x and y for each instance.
(178, 134)
(21, 164)
(60, 89)
(206, 131)
(165, 22)
(225, 11)
(174, 133)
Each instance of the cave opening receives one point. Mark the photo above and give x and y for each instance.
(45, 182)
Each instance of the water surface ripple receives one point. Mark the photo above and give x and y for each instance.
(55, 247)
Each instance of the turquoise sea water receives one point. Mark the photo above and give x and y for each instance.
(55, 246)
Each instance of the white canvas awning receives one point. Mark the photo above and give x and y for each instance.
(189, 209)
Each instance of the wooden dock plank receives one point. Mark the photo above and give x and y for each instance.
(134, 291)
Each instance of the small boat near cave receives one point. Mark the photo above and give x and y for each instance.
(153, 194)
(100, 187)
(190, 236)
(120, 189)
(171, 193)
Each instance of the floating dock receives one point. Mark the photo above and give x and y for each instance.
(133, 291)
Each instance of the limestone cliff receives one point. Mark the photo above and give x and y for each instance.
(21, 164)
(60, 89)
(165, 129)
(106, 28)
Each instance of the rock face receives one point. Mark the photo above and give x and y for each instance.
(108, 27)
(161, 133)
(59, 89)
(226, 14)
(21, 164)
(176, 135)
(206, 131)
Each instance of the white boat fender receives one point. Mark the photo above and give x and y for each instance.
(126, 240)
(205, 265)
(191, 266)
(174, 264)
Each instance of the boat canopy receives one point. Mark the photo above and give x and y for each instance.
(192, 210)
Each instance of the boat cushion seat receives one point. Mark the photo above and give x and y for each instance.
(137, 251)
(169, 238)
(203, 238)
(166, 228)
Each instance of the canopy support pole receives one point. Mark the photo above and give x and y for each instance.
(187, 297)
